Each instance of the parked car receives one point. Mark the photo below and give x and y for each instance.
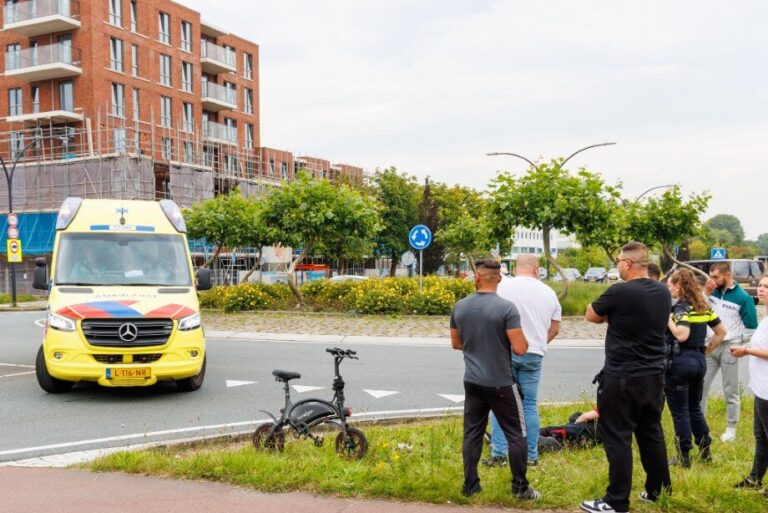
(746, 272)
(613, 274)
(596, 274)
(572, 273)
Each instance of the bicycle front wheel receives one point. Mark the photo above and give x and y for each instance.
(262, 440)
(353, 446)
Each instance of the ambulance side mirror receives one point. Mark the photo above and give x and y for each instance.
(40, 281)
(203, 279)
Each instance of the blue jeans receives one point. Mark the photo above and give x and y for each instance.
(527, 372)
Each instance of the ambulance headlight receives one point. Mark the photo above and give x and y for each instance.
(189, 322)
(61, 323)
(174, 215)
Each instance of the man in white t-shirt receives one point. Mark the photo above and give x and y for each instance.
(540, 315)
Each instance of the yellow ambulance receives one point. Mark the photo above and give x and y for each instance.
(122, 306)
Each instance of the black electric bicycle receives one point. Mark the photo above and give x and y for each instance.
(309, 416)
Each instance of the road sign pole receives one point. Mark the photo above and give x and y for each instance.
(421, 261)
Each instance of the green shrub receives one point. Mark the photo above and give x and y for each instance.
(376, 296)
(580, 295)
(213, 298)
(430, 301)
(249, 296)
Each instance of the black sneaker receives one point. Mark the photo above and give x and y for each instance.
(748, 482)
(529, 494)
(705, 455)
(472, 491)
(496, 461)
(533, 463)
(599, 506)
(646, 497)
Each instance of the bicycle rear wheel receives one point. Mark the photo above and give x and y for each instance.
(262, 440)
(353, 446)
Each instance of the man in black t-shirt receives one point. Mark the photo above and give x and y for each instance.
(630, 394)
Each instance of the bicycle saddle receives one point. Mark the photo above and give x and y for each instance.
(285, 375)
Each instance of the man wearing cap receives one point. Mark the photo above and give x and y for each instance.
(487, 329)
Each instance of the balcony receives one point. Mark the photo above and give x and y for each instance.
(43, 63)
(216, 133)
(217, 97)
(35, 17)
(53, 116)
(216, 59)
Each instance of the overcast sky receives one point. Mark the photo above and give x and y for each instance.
(431, 86)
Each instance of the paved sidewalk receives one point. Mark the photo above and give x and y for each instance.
(32, 490)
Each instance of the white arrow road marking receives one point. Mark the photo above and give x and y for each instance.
(40, 323)
(16, 374)
(17, 365)
(300, 389)
(378, 394)
(453, 398)
(235, 383)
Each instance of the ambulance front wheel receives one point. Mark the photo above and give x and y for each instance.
(45, 380)
(193, 383)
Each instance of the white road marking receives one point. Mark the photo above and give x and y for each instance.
(235, 383)
(16, 365)
(378, 394)
(453, 398)
(40, 323)
(16, 374)
(300, 389)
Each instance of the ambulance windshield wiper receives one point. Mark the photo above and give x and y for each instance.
(79, 284)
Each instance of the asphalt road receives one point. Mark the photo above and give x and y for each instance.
(384, 382)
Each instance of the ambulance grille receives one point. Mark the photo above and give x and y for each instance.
(118, 358)
(106, 332)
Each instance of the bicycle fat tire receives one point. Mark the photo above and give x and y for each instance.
(354, 446)
(262, 441)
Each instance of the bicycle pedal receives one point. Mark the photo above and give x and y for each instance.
(318, 441)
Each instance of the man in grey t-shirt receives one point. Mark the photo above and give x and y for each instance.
(487, 329)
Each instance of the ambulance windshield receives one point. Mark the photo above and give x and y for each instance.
(113, 259)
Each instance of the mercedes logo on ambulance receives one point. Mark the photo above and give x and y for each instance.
(128, 332)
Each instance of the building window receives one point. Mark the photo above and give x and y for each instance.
(65, 48)
(164, 28)
(167, 148)
(271, 167)
(17, 142)
(186, 76)
(13, 56)
(116, 54)
(66, 96)
(135, 60)
(231, 129)
(165, 70)
(186, 36)
(35, 99)
(250, 168)
(189, 118)
(136, 105)
(248, 66)
(119, 136)
(189, 152)
(134, 16)
(165, 112)
(230, 164)
(15, 102)
(248, 107)
(284, 170)
(231, 93)
(116, 12)
(118, 100)
(230, 55)
(249, 136)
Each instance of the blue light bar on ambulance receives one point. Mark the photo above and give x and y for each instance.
(173, 213)
(67, 212)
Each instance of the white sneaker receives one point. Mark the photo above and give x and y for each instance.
(729, 435)
(597, 506)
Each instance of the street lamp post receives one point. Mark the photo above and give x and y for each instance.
(652, 189)
(9, 181)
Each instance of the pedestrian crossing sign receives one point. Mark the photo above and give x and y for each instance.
(717, 254)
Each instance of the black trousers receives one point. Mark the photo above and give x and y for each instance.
(632, 406)
(684, 388)
(760, 464)
(507, 405)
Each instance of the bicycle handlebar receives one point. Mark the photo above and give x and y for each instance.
(341, 353)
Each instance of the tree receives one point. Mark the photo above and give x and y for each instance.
(468, 237)
(358, 222)
(668, 220)
(698, 250)
(398, 198)
(226, 220)
(762, 243)
(583, 258)
(550, 198)
(730, 224)
(313, 215)
(429, 215)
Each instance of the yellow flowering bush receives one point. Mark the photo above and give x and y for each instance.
(213, 298)
(435, 300)
(248, 296)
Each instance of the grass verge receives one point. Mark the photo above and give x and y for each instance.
(422, 462)
(20, 298)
